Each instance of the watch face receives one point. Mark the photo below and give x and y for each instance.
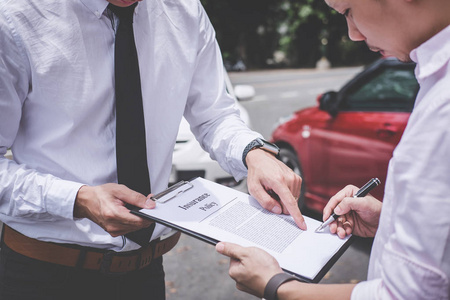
(261, 142)
(267, 146)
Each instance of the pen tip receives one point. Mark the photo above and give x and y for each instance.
(319, 229)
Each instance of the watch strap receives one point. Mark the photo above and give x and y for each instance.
(250, 146)
(270, 291)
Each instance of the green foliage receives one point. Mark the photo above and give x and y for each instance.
(295, 33)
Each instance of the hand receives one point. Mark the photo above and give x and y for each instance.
(251, 267)
(105, 205)
(359, 216)
(266, 174)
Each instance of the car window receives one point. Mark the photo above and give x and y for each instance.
(389, 89)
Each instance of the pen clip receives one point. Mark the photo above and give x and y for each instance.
(172, 191)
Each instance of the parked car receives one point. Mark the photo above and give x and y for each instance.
(8, 154)
(350, 135)
(190, 160)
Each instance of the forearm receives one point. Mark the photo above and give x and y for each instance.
(295, 290)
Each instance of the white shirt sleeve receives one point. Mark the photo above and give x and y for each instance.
(36, 195)
(211, 112)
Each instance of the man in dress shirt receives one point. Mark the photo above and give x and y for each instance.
(410, 258)
(64, 213)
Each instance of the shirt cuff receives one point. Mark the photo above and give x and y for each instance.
(60, 198)
(366, 290)
(236, 150)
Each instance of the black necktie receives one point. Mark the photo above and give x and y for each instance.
(131, 153)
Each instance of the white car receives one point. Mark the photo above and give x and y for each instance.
(8, 154)
(190, 160)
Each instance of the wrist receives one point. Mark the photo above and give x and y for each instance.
(259, 143)
(293, 289)
(80, 206)
(270, 291)
(256, 155)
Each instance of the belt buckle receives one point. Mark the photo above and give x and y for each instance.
(105, 264)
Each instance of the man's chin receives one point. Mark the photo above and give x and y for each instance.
(384, 53)
(402, 58)
(405, 59)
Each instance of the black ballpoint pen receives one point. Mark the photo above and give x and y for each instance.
(361, 193)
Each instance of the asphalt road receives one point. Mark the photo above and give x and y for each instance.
(194, 271)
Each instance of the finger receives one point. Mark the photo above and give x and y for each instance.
(348, 228)
(348, 191)
(340, 227)
(234, 263)
(134, 198)
(150, 203)
(295, 188)
(346, 205)
(123, 226)
(123, 220)
(333, 227)
(349, 224)
(344, 227)
(341, 232)
(265, 199)
(231, 250)
(291, 205)
(335, 200)
(295, 185)
(339, 221)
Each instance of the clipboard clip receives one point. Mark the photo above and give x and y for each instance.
(173, 191)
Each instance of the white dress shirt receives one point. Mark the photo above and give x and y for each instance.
(57, 110)
(410, 257)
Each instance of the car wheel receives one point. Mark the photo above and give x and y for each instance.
(289, 158)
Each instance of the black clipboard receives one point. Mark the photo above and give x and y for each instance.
(184, 186)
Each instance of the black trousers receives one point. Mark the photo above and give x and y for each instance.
(23, 278)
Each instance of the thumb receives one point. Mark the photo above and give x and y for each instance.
(231, 250)
(137, 199)
(346, 205)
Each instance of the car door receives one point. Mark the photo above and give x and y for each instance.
(372, 115)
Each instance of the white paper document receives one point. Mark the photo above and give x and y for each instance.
(213, 212)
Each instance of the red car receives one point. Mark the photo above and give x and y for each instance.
(350, 135)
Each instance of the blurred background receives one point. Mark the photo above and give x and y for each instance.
(261, 34)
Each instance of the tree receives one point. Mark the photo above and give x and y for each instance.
(296, 33)
(243, 29)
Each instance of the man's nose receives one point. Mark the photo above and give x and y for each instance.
(353, 33)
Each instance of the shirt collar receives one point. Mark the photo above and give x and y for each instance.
(97, 7)
(433, 54)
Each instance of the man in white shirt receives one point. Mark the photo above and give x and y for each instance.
(64, 213)
(410, 258)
